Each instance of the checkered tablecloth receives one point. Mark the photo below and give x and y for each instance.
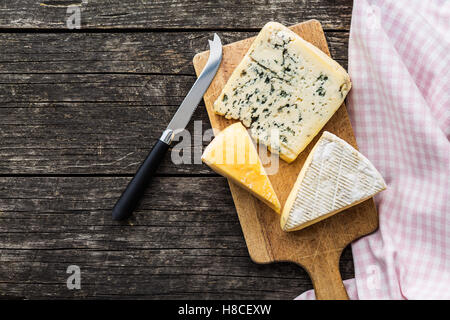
(399, 62)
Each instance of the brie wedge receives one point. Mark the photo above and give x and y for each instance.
(335, 176)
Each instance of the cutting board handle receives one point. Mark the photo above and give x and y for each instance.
(326, 278)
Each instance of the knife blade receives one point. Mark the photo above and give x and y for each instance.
(135, 189)
(192, 99)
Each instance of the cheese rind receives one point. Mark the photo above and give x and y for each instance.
(286, 84)
(334, 177)
(233, 155)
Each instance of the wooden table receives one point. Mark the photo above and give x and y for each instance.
(80, 109)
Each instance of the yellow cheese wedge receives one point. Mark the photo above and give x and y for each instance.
(233, 155)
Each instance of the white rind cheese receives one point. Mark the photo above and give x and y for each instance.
(283, 83)
(334, 177)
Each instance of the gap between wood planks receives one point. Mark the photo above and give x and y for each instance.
(140, 30)
(106, 175)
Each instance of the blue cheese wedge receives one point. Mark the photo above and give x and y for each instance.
(285, 90)
(334, 177)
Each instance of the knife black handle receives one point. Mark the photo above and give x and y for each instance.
(135, 189)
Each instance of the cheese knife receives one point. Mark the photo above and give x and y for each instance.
(135, 189)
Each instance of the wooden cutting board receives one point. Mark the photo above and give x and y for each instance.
(318, 247)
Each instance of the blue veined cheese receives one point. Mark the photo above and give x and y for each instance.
(251, 93)
(284, 87)
(334, 177)
(274, 48)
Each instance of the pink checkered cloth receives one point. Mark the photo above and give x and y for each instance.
(399, 63)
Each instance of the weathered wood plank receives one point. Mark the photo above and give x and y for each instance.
(195, 14)
(168, 90)
(92, 138)
(109, 130)
(182, 242)
(154, 52)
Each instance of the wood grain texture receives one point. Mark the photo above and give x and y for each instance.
(79, 112)
(175, 14)
(318, 247)
(180, 244)
(121, 52)
(108, 138)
